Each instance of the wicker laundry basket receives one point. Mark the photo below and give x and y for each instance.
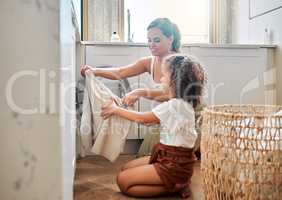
(242, 152)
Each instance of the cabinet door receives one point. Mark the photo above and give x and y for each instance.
(146, 104)
(235, 75)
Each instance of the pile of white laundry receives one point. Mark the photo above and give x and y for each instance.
(99, 136)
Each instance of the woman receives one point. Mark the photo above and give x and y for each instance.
(163, 39)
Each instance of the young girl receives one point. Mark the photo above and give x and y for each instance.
(170, 167)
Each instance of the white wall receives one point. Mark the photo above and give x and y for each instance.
(68, 37)
(245, 30)
(30, 144)
(35, 158)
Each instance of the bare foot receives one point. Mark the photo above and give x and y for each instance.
(184, 189)
(186, 192)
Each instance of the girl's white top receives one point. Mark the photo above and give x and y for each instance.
(177, 120)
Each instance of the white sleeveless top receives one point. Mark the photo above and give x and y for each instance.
(156, 85)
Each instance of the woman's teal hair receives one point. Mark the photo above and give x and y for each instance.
(168, 29)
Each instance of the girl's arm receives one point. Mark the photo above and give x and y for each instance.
(117, 73)
(139, 117)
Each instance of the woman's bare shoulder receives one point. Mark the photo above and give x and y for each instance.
(146, 62)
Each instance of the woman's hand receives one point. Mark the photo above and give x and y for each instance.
(85, 69)
(109, 109)
(131, 97)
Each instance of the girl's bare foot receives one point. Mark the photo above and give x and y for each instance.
(184, 189)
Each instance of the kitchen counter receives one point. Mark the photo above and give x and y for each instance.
(244, 46)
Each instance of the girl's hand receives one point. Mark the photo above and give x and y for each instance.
(130, 98)
(85, 69)
(109, 109)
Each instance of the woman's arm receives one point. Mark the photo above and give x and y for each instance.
(152, 94)
(117, 73)
(139, 117)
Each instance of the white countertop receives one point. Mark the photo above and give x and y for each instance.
(245, 46)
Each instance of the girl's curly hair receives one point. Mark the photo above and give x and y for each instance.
(188, 77)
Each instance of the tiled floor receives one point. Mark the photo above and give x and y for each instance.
(96, 179)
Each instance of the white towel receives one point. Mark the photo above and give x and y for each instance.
(109, 135)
